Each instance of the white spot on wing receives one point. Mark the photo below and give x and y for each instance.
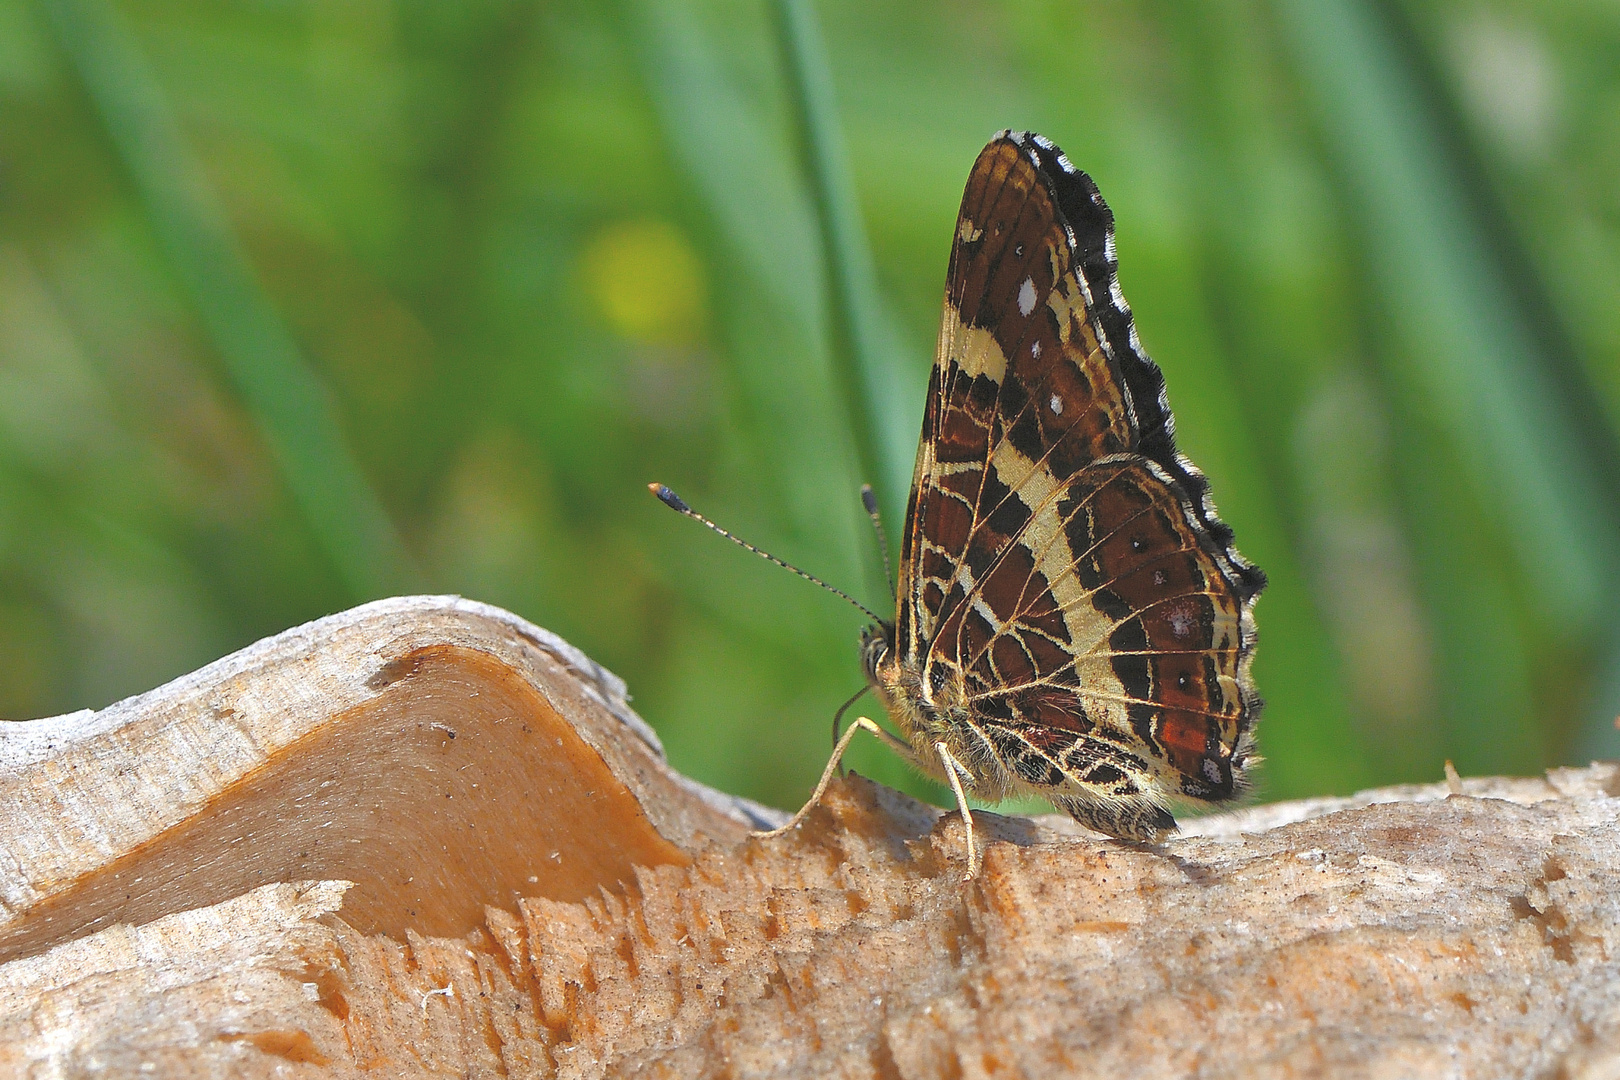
(1035, 350)
(1057, 405)
(1026, 297)
(1117, 295)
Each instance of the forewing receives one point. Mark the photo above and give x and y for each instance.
(1060, 555)
(1013, 303)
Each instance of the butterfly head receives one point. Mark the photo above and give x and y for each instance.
(895, 684)
(877, 653)
(919, 698)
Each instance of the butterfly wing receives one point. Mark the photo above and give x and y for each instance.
(1062, 565)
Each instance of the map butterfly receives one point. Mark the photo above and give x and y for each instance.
(1072, 620)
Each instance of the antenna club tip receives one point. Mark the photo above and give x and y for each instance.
(669, 498)
(869, 499)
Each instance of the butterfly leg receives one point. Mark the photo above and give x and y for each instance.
(894, 742)
(954, 771)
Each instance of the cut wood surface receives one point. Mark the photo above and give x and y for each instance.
(425, 838)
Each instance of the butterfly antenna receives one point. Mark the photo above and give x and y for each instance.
(869, 501)
(675, 502)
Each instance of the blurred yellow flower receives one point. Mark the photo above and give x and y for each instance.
(648, 281)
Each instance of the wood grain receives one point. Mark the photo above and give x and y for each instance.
(1463, 930)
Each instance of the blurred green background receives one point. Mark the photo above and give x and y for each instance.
(306, 302)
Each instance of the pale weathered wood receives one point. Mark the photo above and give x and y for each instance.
(1468, 930)
(417, 747)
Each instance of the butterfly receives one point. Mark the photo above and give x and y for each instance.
(1072, 620)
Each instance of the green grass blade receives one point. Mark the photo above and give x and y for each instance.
(1464, 340)
(733, 149)
(289, 403)
(862, 342)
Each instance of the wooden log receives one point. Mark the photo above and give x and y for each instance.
(424, 837)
